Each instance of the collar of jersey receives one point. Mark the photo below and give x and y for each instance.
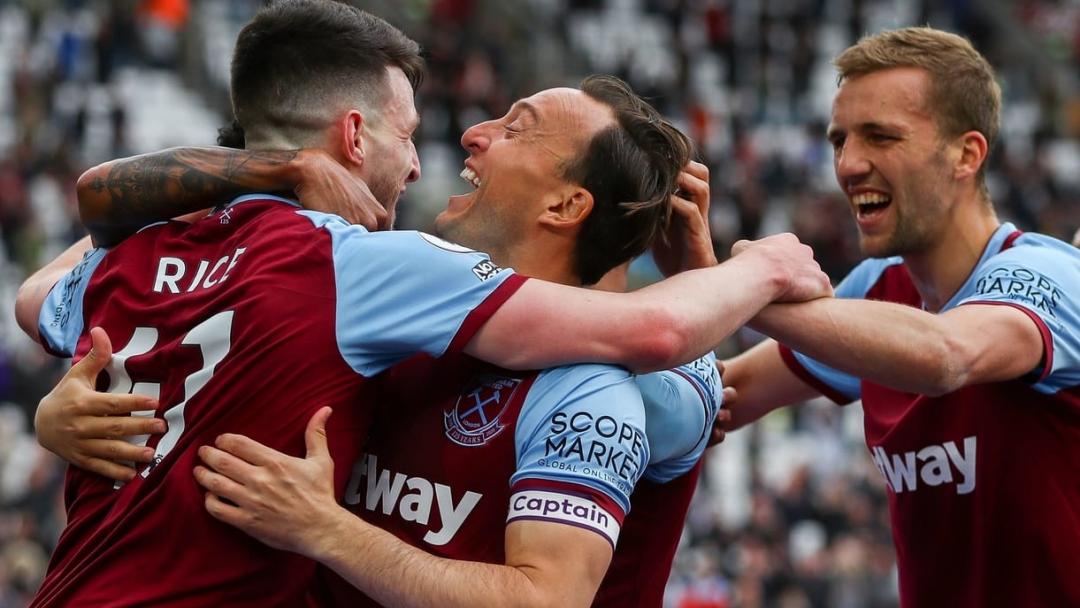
(993, 247)
(261, 197)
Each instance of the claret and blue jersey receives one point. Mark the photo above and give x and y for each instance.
(983, 488)
(460, 449)
(247, 321)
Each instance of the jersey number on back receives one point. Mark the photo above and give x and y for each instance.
(212, 336)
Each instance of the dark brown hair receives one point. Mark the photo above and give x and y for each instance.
(630, 168)
(295, 55)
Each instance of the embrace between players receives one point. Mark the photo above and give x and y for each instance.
(487, 445)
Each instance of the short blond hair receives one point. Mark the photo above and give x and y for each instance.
(964, 94)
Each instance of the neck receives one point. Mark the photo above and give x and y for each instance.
(545, 255)
(940, 270)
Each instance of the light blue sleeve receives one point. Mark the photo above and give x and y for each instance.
(60, 322)
(854, 286)
(680, 407)
(583, 425)
(403, 292)
(1042, 278)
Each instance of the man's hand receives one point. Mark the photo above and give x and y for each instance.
(805, 280)
(687, 244)
(325, 185)
(86, 428)
(723, 417)
(285, 502)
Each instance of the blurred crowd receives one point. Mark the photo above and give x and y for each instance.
(790, 513)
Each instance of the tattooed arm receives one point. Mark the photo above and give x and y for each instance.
(121, 196)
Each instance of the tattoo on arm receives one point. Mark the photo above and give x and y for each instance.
(162, 185)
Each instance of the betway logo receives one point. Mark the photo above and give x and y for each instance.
(383, 491)
(933, 465)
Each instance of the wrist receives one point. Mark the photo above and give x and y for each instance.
(775, 279)
(303, 166)
(325, 533)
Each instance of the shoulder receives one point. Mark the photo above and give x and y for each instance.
(596, 388)
(1040, 250)
(1037, 270)
(580, 374)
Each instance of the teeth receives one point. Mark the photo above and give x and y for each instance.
(470, 176)
(870, 198)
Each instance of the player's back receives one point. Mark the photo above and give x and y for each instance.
(230, 322)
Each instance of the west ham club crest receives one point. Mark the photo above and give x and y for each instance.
(474, 418)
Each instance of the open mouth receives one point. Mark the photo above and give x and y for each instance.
(470, 176)
(870, 204)
(458, 203)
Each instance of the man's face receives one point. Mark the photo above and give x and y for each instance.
(515, 165)
(390, 160)
(890, 161)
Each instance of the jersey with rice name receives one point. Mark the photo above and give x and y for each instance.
(246, 321)
(983, 482)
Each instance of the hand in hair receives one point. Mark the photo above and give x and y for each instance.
(687, 243)
(325, 185)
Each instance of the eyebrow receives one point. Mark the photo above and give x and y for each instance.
(524, 106)
(833, 131)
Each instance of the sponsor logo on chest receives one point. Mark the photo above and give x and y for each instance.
(933, 465)
(475, 418)
(386, 492)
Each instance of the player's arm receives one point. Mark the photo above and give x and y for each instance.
(655, 328)
(119, 197)
(547, 564)
(681, 406)
(907, 348)
(763, 383)
(34, 290)
(288, 503)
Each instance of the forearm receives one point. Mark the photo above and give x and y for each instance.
(121, 196)
(891, 344)
(655, 328)
(397, 574)
(704, 307)
(36, 288)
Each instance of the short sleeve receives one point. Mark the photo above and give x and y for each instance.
(60, 322)
(680, 407)
(400, 293)
(581, 448)
(1043, 281)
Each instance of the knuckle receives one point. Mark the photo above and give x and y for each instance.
(213, 483)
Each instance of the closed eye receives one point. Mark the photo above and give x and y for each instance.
(881, 138)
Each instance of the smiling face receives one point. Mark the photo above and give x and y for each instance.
(516, 166)
(390, 154)
(891, 161)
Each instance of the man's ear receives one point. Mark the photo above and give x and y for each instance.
(352, 137)
(973, 151)
(569, 210)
